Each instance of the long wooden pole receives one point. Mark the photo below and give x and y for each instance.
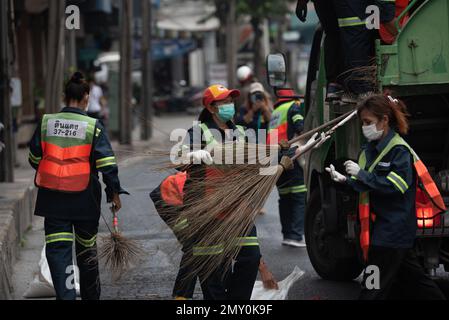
(6, 155)
(125, 72)
(310, 133)
(231, 45)
(147, 73)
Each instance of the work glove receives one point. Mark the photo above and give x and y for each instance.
(335, 175)
(352, 168)
(323, 138)
(301, 10)
(200, 156)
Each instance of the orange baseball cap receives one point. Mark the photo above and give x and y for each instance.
(218, 92)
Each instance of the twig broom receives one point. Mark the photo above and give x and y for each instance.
(117, 251)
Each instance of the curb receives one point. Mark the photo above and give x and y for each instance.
(16, 213)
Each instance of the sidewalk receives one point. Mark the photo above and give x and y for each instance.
(25, 240)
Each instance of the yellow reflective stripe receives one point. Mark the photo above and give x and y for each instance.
(31, 155)
(397, 182)
(402, 181)
(296, 189)
(349, 22)
(104, 162)
(107, 164)
(209, 137)
(56, 237)
(107, 159)
(206, 251)
(247, 241)
(97, 132)
(59, 240)
(353, 178)
(58, 234)
(88, 243)
(297, 118)
(181, 225)
(33, 158)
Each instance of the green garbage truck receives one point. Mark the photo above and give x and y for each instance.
(415, 68)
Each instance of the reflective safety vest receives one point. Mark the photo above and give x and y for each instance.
(279, 123)
(429, 198)
(66, 140)
(172, 189)
(209, 137)
(214, 173)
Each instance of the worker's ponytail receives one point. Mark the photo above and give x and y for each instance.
(400, 116)
(395, 109)
(76, 88)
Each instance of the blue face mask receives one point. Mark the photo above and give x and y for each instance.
(226, 112)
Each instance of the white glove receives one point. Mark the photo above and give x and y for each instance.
(352, 168)
(200, 156)
(323, 137)
(335, 175)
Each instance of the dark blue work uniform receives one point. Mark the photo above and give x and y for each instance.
(65, 212)
(394, 230)
(291, 184)
(222, 284)
(357, 40)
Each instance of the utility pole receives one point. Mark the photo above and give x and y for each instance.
(6, 155)
(55, 56)
(125, 72)
(147, 72)
(231, 45)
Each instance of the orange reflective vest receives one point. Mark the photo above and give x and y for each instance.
(278, 130)
(428, 200)
(172, 189)
(66, 140)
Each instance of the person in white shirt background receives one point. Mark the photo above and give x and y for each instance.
(96, 101)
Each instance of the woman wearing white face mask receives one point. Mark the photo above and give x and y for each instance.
(386, 178)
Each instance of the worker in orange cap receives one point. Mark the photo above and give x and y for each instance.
(223, 284)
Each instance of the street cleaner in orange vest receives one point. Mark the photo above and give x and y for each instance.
(167, 199)
(236, 284)
(68, 149)
(393, 184)
(287, 120)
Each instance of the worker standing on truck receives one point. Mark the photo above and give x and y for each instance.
(287, 120)
(358, 41)
(386, 176)
(333, 51)
(68, 149)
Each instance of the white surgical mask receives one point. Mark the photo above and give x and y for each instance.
(371, 133)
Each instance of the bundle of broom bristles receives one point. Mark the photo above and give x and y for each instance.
(221, 209)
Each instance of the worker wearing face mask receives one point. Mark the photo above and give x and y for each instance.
(386, 177)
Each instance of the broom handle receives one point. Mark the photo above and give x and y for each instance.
(323, 126)
(114, 219)
(348, 117)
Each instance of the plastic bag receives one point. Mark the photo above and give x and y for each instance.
(42, 285)
(260, 293)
